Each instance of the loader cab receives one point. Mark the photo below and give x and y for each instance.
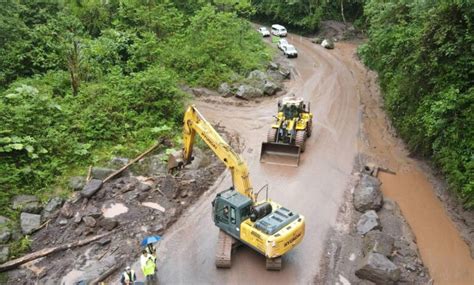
(291, 107)
(230, 209)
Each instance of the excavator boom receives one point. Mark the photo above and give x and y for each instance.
(195, 123)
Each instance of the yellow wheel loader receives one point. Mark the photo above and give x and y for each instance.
(265, 226)
(287, 137)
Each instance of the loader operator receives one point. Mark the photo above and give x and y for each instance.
(290, 111)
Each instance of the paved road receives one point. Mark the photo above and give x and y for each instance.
(314, 189)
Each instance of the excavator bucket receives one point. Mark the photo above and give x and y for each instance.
(175, 161)
(281, 154)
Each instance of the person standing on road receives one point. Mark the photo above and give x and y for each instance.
(148, 265)
(128, 276)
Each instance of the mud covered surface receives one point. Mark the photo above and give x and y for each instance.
(443, 229)
(132, 207)
(346, 249)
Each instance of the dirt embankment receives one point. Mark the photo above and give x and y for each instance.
(133, 207)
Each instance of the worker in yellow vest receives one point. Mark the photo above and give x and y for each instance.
(128, 276)
(148, 265)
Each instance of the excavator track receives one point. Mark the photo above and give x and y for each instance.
(274, 264)
(225, 244)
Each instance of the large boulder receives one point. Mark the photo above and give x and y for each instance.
(52, 205)
(367, 222)
(27, 203)
(257, 75)
(76, 183)
(66, 210)
(91, 188)
(367, 194)
(4, 253)
(317, 40)
(118, 161)
(379, 269)
(29, 222)
(5, 234)
(89, 221)
(225, 90)
(198, 92)
(273, 65)
(270, 88)
(101, 172)
(248, 92)
(327, 43)
(4, 220)
(376, 241)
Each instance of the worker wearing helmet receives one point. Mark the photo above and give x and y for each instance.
(128, 276)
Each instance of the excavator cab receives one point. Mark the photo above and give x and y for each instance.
(230, 209)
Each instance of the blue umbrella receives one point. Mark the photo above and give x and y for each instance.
(150, 239)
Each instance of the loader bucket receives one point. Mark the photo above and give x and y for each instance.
(281, 154)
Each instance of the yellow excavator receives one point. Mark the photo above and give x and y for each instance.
(265, 226)
(286, 139)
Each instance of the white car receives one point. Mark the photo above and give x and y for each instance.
(279, 30)
(290, 51)
(281, 43)
(264, 31)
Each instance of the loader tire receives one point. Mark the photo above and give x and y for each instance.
(300, 139)
(271, 136)
(309, 128)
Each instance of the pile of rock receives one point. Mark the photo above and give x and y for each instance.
(377, 246)
(5, 236)
(257, 83)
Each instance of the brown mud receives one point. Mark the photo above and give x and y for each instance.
(442, 249)
(338, 87)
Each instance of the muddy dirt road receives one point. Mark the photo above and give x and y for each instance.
(333, 81)
(314, 189)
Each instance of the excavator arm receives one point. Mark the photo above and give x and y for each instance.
(195, 123)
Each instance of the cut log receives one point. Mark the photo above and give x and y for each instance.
(47, 251)
(132, 162)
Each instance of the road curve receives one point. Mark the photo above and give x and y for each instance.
(314, 189)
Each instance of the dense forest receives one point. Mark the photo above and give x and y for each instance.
(82, 81)
(85, 80)
(424, 54)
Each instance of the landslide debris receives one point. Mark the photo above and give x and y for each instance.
(371, 243)
(146, 202)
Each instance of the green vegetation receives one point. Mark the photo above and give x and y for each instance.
(305, 15)
(423, 52)
(85, 80)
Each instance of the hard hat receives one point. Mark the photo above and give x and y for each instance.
(127, 268)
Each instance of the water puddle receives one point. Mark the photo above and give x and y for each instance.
(155, 206)
(114, 210)
(441, 248)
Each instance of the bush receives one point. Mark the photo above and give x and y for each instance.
(423, 53)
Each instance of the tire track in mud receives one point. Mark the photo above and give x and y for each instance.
(314, 189)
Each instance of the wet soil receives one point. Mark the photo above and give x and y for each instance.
(442, 249)
(315, 189)
(348, 121)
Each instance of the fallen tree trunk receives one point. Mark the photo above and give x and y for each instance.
(47, 251)
(106, 274)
